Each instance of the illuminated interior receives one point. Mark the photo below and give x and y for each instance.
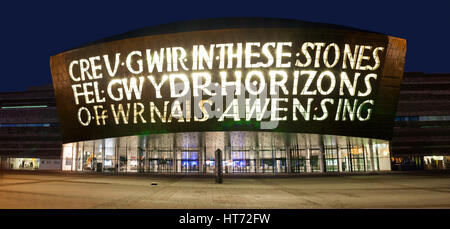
(244, 152)
(23, 163)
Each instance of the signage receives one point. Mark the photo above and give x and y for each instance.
(248, 79)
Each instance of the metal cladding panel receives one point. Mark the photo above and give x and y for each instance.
(279, 55)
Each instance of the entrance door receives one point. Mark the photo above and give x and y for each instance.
(189, 161)
(298, 160)
(160, 165)
(241, 161)
(241, 166)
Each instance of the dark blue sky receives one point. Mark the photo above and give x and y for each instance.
(33, 31)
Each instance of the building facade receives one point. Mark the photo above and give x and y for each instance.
(274, 95)
(421, 138)
(243, 152)
(30, 137)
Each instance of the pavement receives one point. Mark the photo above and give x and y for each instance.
(61, 190)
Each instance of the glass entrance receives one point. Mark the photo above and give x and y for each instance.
(241, 161)
(189, 161)
(298, 160)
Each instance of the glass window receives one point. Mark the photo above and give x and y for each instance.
(132, 154)
(67, 156)
(89, 159)
(123, 161)
(259, 152)
(110, 163)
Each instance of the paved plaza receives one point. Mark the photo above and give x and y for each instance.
(51, 190)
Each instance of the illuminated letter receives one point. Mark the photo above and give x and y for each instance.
(187, 107)
(133, 87)
(97, 93)
(234, 104)
(71, 71)
(221, 55)
(158, 86)
(182, 77)
(95, 67)
(305, 91)
(332, 84)
(236, 84)
(305, 52)
(324, 109)
(255, 108)
(120, 112)
(348, 108)
(369, 111)
(103, 116)
(280, 54)
(351, 57)
(368, 85)
(273, 74)
(319, 46)
(139, 62)
(112, 73)
(336, 55)
(362, 57)
(377, 58)
(87, 93)
(203, 87)
(203, 109)
(177, 59)
(298, 106)
(249, 54)
(75, 92)
(351, 88)
(153, 109)
(248, 85)
(200, 55)
(84, 69)
(338, 111)
(237, 55)
(156, 60)
(111, 83)
(88, 120)
(169, 59)
(268, 54)
(176, 112)
(138, 113)
(274, 109)
(295, 83)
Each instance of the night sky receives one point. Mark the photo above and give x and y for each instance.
(33, 31)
